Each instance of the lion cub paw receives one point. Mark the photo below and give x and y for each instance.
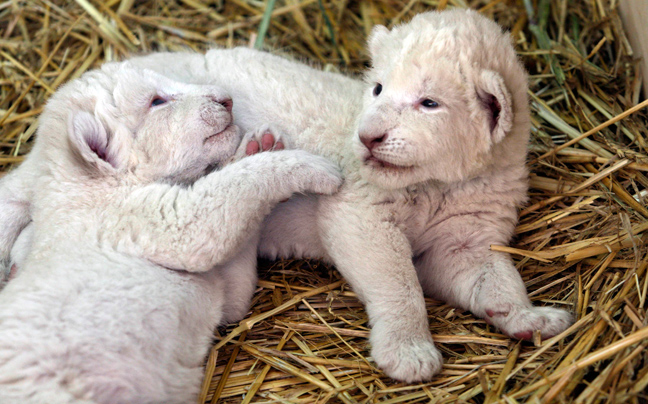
(521, 322)
(315, 174)
(261, 139)
(406, 359)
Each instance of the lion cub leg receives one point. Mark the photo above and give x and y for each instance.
(240, 276)
(374, 256)
(461, 269)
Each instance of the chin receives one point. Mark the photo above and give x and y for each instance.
(389, 176)
(224, 142)
(219, 153)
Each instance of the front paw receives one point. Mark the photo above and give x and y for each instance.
(404, 357)
(520, 322)
(315, 174)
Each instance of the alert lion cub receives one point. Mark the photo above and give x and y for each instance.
(435, 171)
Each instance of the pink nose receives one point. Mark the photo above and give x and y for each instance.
(372, 140)
(226, 102)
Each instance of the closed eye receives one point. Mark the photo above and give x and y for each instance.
(157, 101)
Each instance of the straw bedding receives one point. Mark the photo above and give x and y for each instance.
(581, 239)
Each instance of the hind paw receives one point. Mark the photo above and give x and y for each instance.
(264, 139)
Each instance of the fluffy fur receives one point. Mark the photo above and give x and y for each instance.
(428, 187)
(423, 203)
(134, 254)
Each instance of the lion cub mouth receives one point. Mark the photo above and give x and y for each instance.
(375, 162)
(228, 128)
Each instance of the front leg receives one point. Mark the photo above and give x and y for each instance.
(197, 228)
(460, 268)
(240, 279)
(374, 256)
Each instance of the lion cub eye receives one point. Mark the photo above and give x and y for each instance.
(377, 90)
(428, 103)
(157, 101)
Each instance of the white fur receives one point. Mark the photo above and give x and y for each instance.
(120, 194)
(432, 197)
(420, 212)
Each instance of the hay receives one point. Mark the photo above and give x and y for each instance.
(580, 242)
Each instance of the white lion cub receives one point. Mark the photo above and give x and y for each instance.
(434, 174)
(434, 166)
(107, 306)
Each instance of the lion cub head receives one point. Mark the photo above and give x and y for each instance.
(129, 123)
(445, 101)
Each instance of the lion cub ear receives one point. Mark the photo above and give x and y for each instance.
(377, 36)
(91, 143)
(496, 100)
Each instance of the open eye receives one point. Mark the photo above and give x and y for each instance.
(377, 90)
(428, 103)
(157, 101)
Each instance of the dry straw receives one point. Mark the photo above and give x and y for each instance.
(580, 242)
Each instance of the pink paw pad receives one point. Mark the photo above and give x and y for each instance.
(252, 148)
(13, 271)
(493, 313)
(268, 142)
(525, 335)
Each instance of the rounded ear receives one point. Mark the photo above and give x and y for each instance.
(91, 143)
(378, 34)
(496, 100)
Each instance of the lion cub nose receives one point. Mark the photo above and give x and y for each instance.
(226, 102)
(371, 140)
(212, 113)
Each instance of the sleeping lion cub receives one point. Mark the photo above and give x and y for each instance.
(141, 241)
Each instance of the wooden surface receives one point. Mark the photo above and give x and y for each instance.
(634, 14)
